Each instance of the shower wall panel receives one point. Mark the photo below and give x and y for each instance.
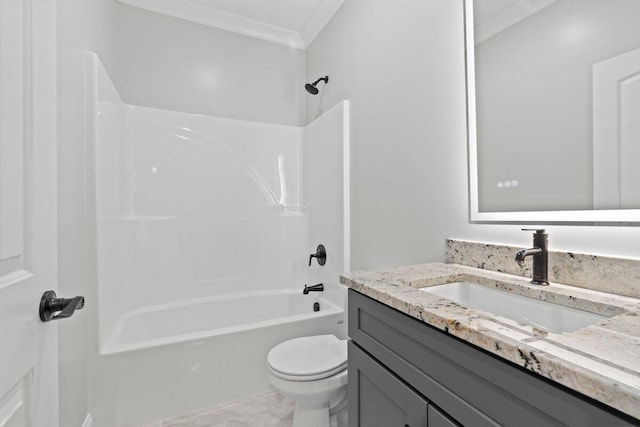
(326, 157)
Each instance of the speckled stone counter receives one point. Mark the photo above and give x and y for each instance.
(601, 361)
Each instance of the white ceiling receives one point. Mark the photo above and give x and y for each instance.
(294, 23)
(493, 16)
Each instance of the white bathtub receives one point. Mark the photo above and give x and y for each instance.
(213, 316)
(167, 360)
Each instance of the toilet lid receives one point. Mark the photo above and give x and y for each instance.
(309, 358)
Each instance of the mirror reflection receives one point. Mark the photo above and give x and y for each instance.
(557, 104)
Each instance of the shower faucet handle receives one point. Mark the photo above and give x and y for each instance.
(320, 255)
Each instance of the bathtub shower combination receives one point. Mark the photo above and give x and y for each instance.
(205, 226)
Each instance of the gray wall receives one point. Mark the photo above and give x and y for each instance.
(88, 24)
(74, 255)
(169, 63)
(403, 70)
(80, 25)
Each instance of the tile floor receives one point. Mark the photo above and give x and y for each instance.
(268, 409)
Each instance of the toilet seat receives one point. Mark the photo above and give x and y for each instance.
(308, 358)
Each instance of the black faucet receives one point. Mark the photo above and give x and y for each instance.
(540, 256)
(315, 288)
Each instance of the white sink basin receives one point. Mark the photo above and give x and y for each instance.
(540, 314)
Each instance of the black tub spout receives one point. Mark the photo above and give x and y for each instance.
(315, 288)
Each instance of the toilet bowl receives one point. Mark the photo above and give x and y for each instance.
(312, 371)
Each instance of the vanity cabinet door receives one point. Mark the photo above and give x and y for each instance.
(377, 398)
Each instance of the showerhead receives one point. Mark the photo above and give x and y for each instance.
(312, 87)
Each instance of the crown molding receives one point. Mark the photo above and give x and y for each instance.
(206, 15)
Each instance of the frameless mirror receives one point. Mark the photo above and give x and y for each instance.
(554, 110)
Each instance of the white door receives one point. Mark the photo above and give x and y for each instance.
(616, 132)
(28, 347)
(630, 140)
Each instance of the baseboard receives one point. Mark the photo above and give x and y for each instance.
(88, 421)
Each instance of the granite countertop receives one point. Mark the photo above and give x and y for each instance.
(601, 361)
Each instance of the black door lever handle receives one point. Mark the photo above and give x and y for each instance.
(50, 304)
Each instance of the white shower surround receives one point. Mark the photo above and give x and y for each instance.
(192, 206)
(204, 229)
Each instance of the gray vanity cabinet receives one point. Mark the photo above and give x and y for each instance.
(403, 372)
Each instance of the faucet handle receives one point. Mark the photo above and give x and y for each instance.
(537, 230)
(320, 255)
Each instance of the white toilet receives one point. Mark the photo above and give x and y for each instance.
(312, 371)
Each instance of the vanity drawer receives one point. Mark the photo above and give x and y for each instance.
(474, 387)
